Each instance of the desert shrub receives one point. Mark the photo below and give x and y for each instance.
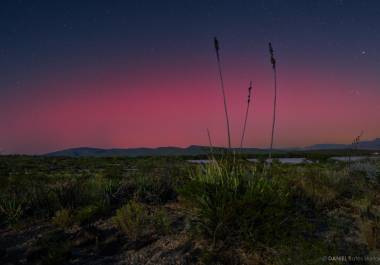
(370, 231)
(327, 184)
(161, 221)
(87, 214)
(101, 190)
(155, 180)
(32, 193)
(70, 193)
(110, 189)
(350, 186)
(114, 172)
(152, 188)
(232, 203)
(230, 200)
(317, 184)
(365, 169)
(136, 219)
(131, 219)
(11, 208)
(63, 218)
(73, 193)
(42, 201)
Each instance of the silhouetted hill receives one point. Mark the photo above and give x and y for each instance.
(196, 150)
(133, 152)
(364, 145)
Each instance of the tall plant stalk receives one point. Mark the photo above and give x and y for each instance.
(273, 62)
(217, 48)
(246, 116)
(209, 141)
(354, 146)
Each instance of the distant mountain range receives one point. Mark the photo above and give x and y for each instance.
(363, 145)
(196, 150)
(133, 152)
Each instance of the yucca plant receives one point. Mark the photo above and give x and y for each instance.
(217, 48)
(228, 199)
(246, 115)
(273, 62)
(354, 145)
(11, 208)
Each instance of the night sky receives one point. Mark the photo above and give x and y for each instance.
(143, 73)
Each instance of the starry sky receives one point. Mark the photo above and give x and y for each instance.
(139, 73)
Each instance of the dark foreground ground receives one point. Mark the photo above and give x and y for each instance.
(165, 211)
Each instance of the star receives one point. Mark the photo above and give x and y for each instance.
(364, 52)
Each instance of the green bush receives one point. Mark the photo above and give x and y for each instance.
(86, 215)
(132, 219)
(70, 192)
(42, 201)
(11, 209)
(161, 221)
(63, 218)
(230, 200)
(152, 188)
(101, 190)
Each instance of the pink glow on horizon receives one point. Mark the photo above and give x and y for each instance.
(161, 109)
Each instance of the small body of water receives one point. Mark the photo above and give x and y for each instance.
(285, 160)
(295, 160)
(254, 160)
(199, 161)
(353, 158)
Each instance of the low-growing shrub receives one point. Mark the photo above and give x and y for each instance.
(132, 219)
(63, 218)
(11, 208)
(366, 169)
(86, 215)
(161, 221)
(42, 201)
(70, 193)
(152, 188)
(230, 201)
(136, 219)
(223, 192)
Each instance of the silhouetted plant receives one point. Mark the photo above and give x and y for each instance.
(209, 141)
(246, 114)
(273, 62)
(354, 146)
(217, 48)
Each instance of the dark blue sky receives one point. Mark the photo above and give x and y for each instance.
(38, 33)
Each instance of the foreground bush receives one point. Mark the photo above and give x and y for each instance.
(11, 209)
(136, 219)
(131, 219)
(63, 218)
(232, 203)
